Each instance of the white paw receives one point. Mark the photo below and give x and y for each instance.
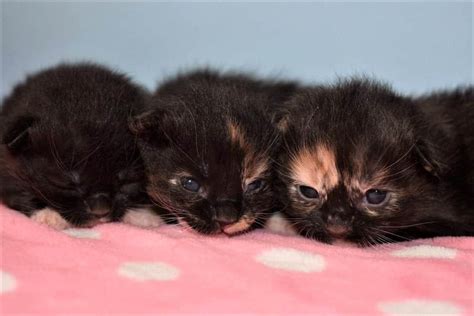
(50, 218)
(143, 217)
(278, 224)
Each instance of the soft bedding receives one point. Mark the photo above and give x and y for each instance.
(115, 268)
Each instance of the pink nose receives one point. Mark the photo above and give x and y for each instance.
(337, 230)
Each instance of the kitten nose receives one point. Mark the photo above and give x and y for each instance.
(226, 214)
(338, 230)
(225, 223)
(337, 223)
(335, 219)
(99, 204)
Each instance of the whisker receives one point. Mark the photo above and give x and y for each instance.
(406, 226)
(390, 233)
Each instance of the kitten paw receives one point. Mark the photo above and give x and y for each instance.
(50, 218)
(144, 218)
(278, 224)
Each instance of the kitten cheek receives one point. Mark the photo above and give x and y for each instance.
(371, 212)
(196, 226)
(310, 212)
(315, 231)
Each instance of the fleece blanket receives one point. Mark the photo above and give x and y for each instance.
(120, 269)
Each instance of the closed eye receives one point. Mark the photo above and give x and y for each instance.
(308, 192)
(255, 186)
(376, 197)
(190, 184)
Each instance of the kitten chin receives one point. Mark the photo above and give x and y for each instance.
(66, 151)
(207, 141)
(361, 163)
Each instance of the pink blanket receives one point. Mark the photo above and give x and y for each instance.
(114, 268)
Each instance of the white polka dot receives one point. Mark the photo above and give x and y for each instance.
(145, 271)
(82, 233)
(292, 260)
(8, 282)
(419, 307)
(425, 251)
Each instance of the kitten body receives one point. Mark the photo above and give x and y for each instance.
(206, 142)
(66, 150)
(362, 163)
(452, 111)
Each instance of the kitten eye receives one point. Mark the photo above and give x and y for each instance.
(254, 185)
(308, 192)
(376, 196)
(190, 184)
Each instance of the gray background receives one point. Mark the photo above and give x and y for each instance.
(414, 46)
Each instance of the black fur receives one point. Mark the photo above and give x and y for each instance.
(423, 146)
(66, 145)
(185, 134)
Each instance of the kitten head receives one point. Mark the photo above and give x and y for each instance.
(207, 146)
(70, 149)
(359, 163)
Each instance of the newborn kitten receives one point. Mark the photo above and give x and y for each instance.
(206, 143)
(67, 156)
(361, 163)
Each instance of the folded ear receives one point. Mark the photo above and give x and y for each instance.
(17, 133)
(142, 123)
(281, 120)
(432, 157)
(155, 126)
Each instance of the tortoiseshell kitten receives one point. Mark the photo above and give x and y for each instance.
(362, 163)
(67, 156)
(206, 143)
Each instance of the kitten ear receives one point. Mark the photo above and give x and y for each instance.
(17, 133)
(281, 120)
(431, 158)
(142, 123)
(156, 125)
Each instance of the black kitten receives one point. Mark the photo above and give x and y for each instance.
(206, 143)
(67, 156)
(360, 162)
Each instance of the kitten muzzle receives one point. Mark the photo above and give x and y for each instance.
(338, 222)
(226, 213)
(338, 231)
(99, 205)
(229, 218)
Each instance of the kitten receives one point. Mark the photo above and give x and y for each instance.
(206, 143)
(67, 156)
(361, 163)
